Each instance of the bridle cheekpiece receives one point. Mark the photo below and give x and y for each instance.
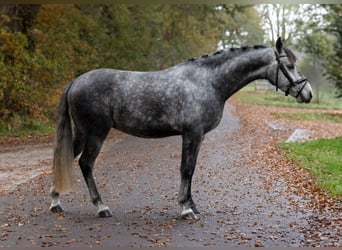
(282, 68)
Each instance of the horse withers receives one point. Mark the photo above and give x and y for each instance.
(186, 99)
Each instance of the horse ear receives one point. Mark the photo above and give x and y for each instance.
(279, 45)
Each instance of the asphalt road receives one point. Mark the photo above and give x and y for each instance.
(240, 204)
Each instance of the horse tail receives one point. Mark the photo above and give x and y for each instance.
(63, 152)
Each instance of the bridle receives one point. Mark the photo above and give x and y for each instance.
(286, 74)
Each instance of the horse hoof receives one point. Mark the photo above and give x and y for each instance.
(57, 209)
(105, 214)
(188, 214)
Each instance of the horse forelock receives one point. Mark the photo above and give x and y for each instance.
(291, 56)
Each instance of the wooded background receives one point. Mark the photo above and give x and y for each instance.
(43, 47)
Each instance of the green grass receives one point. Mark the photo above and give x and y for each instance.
(323, 157)
(23, 128)
(312, 116)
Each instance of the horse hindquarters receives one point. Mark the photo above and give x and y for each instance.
(79, 130)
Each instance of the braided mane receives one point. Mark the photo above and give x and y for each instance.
(219, 56)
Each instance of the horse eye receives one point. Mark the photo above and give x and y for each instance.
(290, 66)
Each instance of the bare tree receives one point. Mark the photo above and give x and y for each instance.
(279, 20)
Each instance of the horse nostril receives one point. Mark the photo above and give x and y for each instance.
(310, 97)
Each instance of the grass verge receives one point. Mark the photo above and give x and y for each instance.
(311, 116)
(323, 157)
(23, 128)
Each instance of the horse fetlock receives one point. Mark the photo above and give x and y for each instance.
(55, 206)
(194, 209)
(188, 203)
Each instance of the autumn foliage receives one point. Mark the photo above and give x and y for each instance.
(43, 47)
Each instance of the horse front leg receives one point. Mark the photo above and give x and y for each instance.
(190, 149)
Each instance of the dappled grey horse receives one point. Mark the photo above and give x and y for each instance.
(186, 99)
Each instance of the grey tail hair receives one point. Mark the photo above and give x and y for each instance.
(63, 157)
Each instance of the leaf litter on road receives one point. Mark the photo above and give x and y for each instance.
(152, 213)
(325, 212)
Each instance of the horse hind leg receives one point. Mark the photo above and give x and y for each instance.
(56, 206)
(78, 143)
(90, 152)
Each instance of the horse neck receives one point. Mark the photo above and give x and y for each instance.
(245, 66)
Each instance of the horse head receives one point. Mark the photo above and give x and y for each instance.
(285, 75)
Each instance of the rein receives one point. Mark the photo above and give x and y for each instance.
(286, 74)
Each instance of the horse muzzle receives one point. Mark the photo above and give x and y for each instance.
(305, 93)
